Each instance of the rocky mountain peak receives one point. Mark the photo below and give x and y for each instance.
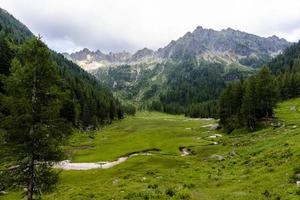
(145, 52)
(229, 45)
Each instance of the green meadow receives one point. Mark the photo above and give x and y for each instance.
(260, 165)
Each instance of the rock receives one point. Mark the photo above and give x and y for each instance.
(3, 192)
(212, 136)
(115, 182)
(184, 151)
(215, 136)
(217, 157)
(233, 153)
(214, 127)
(294, 126)
(293, 108)
(298, 183)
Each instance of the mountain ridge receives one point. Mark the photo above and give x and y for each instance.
(202, 43)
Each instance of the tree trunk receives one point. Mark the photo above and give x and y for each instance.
(30, 185)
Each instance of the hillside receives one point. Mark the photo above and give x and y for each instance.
(148, 78)
(92, 99)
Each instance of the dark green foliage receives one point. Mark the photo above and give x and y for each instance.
(13, 29)
(242, 104)
(287, 68)
(266, 93)
(249, 103)
(230, 102)
(129, 109)
(203, 110)
(289, 81)
(6, 55)
(68, 111)
(255, 62)
(285, 61)
(262, 91)
(155, 105)
(33, 127)
(93, 103)
(189, 82)
(192, 82)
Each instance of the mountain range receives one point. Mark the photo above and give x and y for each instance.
(149, 76)
(228, 45)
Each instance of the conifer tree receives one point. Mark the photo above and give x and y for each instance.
(249, 103)
(267, 93)
(33, 128)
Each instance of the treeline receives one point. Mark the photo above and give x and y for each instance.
(207, 109)
(243, 103)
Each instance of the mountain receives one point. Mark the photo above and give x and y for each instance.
(192, 69)
(92, 101)
(228, 45)
(228, 42)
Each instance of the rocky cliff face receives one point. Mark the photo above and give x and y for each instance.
(228, 45)
(232, 42)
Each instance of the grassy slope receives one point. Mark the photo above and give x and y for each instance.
(261, 169)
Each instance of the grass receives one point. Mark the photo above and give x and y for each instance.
(258, 165)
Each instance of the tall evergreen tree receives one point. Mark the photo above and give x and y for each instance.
(33, 128)
(230, 103)
(266, 92)
(249, 103)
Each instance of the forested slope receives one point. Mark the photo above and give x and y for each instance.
(89, 102)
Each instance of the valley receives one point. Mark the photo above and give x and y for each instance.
(235, 166)
(210, 114)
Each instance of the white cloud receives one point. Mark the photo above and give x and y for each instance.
(116, 25)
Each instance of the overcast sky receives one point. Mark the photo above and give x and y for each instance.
(117, 25)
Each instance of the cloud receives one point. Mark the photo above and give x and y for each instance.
(116, 25)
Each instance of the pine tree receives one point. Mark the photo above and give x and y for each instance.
(34, 129)
(267, 93)
(230, 103)
(249, 105)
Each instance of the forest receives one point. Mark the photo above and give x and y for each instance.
(244, 103)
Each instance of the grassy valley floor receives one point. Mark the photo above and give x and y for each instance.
(259, 165)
